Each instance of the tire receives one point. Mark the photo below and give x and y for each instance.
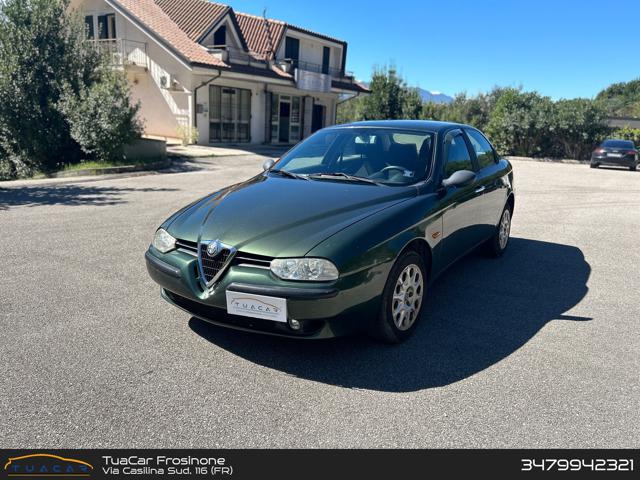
(498, 243)
(594, 165)
(392, 325)
(633, 167)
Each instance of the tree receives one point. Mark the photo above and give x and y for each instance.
(101, 117)
(579, 126)
(621, 99)
(386, 98)
(411, 104)
(475, 111)
(390, 99)
(520, 123)
(44, 57)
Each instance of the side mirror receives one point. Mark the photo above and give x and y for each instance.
(460, 178)
(268, 164)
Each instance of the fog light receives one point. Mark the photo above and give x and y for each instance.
(294, 324)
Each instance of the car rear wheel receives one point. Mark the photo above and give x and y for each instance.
(499, 242)
(633, 167)
(402, 299)
(594, 165)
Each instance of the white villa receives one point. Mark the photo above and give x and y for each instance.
(202, 70)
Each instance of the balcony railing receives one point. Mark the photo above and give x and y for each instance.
(236, 55)
(291, 64)
(122, 52)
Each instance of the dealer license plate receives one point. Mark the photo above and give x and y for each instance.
(257, 306)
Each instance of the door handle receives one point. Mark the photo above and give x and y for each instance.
(481, 189)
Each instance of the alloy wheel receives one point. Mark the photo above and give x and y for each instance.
(407, 297)
(505, 229)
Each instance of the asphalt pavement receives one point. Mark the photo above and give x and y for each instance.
(540, 348)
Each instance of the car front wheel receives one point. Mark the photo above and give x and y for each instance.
(498, 243)
(402, 299)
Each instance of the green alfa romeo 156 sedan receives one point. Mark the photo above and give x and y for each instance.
(344, 233)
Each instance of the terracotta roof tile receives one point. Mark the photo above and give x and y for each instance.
(150, 14)
(262, 35)
(193, 17)
(180, 23)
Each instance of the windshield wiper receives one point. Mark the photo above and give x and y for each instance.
(346, 176)
(284, 173)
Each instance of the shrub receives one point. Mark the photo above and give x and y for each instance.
(521, 123)
(102, 118)
(626, 133)
(47, 73)
(579, 125)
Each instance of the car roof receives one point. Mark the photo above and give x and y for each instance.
(423, 125)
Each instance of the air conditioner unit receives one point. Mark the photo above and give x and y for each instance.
(165, 81)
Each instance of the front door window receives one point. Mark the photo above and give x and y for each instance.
(229, 114)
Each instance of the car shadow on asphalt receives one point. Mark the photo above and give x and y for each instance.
(75, 194)
(478, 313)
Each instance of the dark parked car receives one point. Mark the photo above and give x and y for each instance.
(344, 233)
(619, 153)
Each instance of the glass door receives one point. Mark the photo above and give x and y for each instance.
(286, 119)
(229, 114)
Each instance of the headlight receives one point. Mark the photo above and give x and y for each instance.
(309, 269)
(163, 241)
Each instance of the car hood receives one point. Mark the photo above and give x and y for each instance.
(280, 217)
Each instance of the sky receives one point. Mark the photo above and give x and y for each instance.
(561, 48)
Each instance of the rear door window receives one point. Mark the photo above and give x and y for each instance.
(484, 152)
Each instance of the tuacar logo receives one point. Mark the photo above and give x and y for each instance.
(45, 464)
(252, 304)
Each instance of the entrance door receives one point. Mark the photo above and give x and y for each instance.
(285, 116)
(229, 114)
(317, 119)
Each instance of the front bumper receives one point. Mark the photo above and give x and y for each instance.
(324, 310)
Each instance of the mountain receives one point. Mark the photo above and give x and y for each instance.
(428, 96)
(434, 97)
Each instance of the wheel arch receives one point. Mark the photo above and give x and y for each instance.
(422, 247)
(511, 201)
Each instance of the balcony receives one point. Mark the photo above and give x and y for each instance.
(123, 53)
(235, 55)
(289, 65)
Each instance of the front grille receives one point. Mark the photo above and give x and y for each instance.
(251, 260)
(187, 247)
(211, 266)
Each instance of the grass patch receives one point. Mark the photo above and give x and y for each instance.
(90, 164)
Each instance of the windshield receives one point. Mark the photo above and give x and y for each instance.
(618, 144)
(389, 156)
